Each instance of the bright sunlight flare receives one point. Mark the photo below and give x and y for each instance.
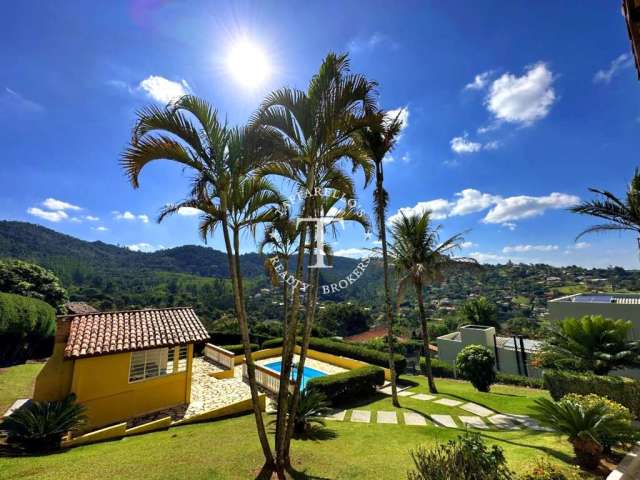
(248, 64)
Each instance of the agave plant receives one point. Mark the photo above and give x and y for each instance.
(584, 425)
(312, 407)
(40, 426)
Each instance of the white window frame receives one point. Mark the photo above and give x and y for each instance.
(177, 360)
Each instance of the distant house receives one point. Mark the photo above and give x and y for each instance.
(122, 365)
(512, 354)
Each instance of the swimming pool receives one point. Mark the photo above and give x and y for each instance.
(307, 374)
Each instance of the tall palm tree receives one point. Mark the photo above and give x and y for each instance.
(419, 259)
(231, 198)
(377, 140)
(318, 125)
(620, 214)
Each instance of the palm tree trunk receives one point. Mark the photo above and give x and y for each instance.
(238, 296)
(387, 294)
(425, 339)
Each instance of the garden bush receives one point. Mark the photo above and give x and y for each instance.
(519, 380)
(351, 350)
(239, 348)
(545, 470)
(623, 390)
(466, 458)
(475, 363)
(24, 324)
(346, 386)
(439, 368)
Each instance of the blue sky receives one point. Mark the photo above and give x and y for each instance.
(513, 109)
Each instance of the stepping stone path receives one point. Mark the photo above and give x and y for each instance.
(444, 420)
(474, 422)
(405, 393)
(504, 422)
(361, 416)
(529, 423)
(423, 396)
(413, 418)
(448, 402)
(337, 416)
(387, 417)
(477, 409)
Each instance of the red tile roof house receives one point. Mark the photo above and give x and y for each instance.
(122, 365)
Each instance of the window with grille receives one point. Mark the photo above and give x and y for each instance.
(157, 362)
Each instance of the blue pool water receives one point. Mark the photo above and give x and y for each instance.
(307, 374)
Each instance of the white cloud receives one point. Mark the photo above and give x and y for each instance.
(10, 99)
(485, 257)
(621, 62)
(522, 100)
(503, 211)
(464, 145)
(468, 245)
(523, 206)
(91, 218)
(581, 245)
(53, 204)
(76, 219)
(479, 81)
(372, 42)
(101, 229)
(401, 113)
(144, 247)
(439, 209)
(388, 158)
(471, 200)
(188, 211)
(353, 253)
(164, 90)
(127, 215)
(56, 216)
(530, 248)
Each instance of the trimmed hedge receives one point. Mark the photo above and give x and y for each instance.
(347, 386)
(239, 349)
(351, 350)
(625, 391)
(519, 380)
(438, 367)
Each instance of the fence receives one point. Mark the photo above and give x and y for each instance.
(219, 355)
(266, 378)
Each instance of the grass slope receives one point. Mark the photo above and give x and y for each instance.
(17, 382)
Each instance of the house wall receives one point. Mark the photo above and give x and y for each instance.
(54, 380)
(102, 385)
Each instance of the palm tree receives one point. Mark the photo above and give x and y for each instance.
(318, 125)
(591, 343)
(621, 214)
(583, 425)
(419, 258)
(231, 198)
(479, 311)
(377, 140)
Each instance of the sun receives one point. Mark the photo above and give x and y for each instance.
(248, 64)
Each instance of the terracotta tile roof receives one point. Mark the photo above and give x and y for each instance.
(115, 332)
(79, 308)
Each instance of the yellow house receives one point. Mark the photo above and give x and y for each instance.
(122, 365)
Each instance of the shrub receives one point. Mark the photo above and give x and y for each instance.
(519, 380)
(439, 368)
(351, 350)
(608, 440)
(466, 458)
(475, 363)
(40, 426)
(343, 387)
(30, 280)
(24, 323)
(239, 349)
(545, 470)
(623, 390)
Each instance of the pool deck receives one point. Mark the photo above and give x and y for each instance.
(309, 362)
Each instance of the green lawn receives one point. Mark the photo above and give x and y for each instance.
(17, 382)
(229, 449)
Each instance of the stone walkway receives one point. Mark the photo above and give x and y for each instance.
(482, 418)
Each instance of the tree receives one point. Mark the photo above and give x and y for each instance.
(620, 214)
(378, 139)
(476, 364)
(419, 259)
(343, 319)
(225, 189)
(479, 311)
(590, 343)
(318, 125)
(30, 280)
